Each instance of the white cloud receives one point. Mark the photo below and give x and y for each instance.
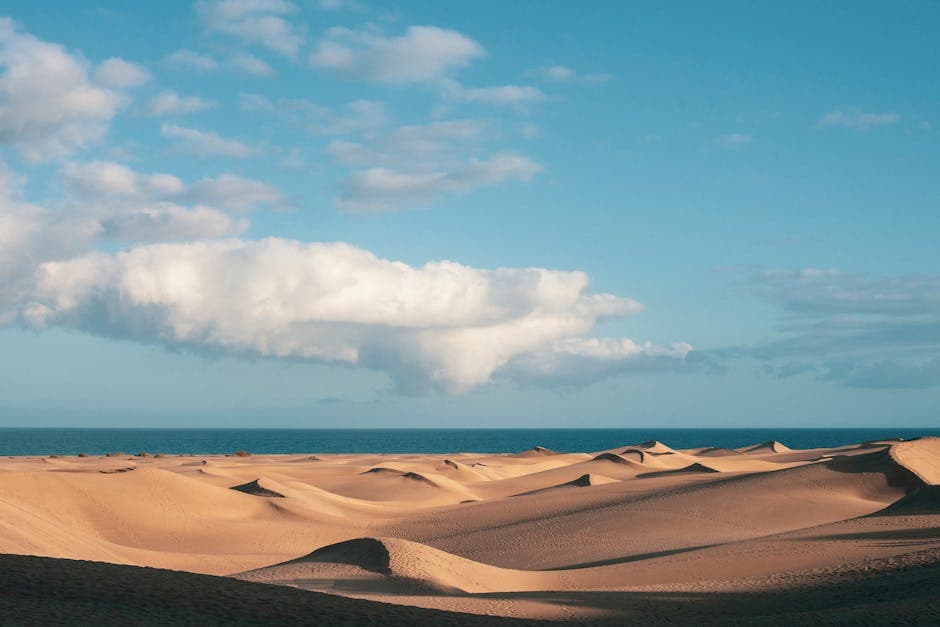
(264, 23)
(119, 73)
(422, 54)
(250, 64)
(169, 102)
(192, 59)
(358, 115)
(48, 105)
(858, 120)
(442, 325)
(204, 143)
(500, 95)
(383, 189)
(735, 139)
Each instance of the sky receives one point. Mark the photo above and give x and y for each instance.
(343, 213)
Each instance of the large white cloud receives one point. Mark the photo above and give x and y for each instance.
(421, 54)
(49, 104)
(438, 326)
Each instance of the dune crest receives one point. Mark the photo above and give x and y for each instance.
(690, 469)
(920, 456)
(771, 446)
(537, 451)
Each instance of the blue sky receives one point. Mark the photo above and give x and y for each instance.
(338, 213)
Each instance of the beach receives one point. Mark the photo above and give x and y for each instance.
(641, 531)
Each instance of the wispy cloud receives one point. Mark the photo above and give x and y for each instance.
(263, 23)
(857, 330)
(356, 116)
(858, 120)
(250, 64)
(735, 139)
(414, 165)
(421, 54)
(119, 73)
(186, 58)
(169, 102)
(499, 95)
(383, 189)
(564, 74)
(205, 143)
(113, 186)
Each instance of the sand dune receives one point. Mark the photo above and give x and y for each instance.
(691, 468)
(765, 447)
(606, 535)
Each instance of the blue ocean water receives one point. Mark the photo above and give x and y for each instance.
(27, 441)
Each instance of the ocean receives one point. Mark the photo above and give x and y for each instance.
(30, 441)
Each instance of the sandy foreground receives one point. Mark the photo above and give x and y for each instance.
(637, 533)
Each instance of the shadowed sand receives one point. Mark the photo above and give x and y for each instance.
(639, 531)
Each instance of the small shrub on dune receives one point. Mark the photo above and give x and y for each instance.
(116, 454)
(83, 454)
(158, 455)
(241, 454)
(143, 454)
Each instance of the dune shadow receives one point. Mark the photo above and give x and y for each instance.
(632, 558)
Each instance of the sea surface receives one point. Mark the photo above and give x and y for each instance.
(29, 441)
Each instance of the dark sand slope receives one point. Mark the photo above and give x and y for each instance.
(37, 590)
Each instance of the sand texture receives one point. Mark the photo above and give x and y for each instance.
(640, 532)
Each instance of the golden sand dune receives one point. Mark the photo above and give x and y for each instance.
(397, 565)
(616, 535)
(921, 457)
